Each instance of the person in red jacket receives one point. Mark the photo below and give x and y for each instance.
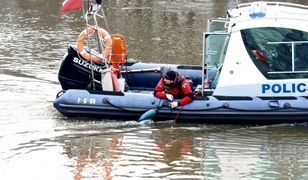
(174, 85)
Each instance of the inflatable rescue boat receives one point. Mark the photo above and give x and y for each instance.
(255, 70)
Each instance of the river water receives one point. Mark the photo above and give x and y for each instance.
(36, 142)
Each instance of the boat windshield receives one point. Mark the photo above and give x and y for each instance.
(215, 43)
(278, 53)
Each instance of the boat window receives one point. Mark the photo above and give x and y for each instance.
(278, 53)
(215, 46)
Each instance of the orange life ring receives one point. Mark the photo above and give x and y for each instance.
(84, 53)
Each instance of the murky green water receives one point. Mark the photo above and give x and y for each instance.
(36, 142)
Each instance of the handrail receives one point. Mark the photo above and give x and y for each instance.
(288, 42)
(282, 4)
(286, 72)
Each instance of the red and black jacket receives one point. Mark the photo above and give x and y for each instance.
(180, 89)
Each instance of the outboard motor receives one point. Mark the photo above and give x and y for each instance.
(75, 72)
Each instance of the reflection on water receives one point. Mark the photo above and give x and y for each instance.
(36, 142)
(165, 151)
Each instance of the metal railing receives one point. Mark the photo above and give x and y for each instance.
(282, 4)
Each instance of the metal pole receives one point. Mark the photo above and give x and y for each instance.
(89, 44)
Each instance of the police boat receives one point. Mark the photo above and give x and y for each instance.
(255, 70)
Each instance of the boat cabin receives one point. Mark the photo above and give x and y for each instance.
(259, 49)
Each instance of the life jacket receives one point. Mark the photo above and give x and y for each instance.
(118, 55)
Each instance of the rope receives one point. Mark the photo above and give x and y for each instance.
(106, 100)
